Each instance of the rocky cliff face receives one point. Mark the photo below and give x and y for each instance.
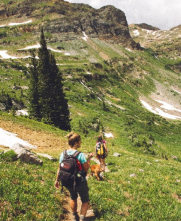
(68, 21)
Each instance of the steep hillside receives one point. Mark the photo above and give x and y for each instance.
(64, 21)
(129, 94)
(164, 43)
(109, 84)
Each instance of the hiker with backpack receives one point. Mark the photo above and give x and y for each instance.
(72, 174)
(101, 151)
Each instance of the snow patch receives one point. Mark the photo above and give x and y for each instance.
(8, 139)
(5, 55)
(167, 106)
(85, 36)
(22, 113)
(177, 91)
(26, 22)
(38, 46)
(90, 90)
(148, 31)
(108, 135)
(30, 47)
(55, 50)
(159, 111)
(136, 33)
(13, 24)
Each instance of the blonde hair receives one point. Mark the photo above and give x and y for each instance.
(73, 138)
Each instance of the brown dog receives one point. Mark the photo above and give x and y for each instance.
(96, 169)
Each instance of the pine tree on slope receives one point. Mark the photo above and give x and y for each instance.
(34, 106)
(53, 104)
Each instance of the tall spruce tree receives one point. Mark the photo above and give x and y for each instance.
(34, 106)
(51, 98)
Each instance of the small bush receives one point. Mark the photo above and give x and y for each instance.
(9, 156)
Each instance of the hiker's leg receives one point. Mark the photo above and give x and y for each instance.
(73, 199)
(83, 191)
(99, 160)
(84, 208)
(73, 205)
(103, 164)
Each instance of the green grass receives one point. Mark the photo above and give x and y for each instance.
(146, 142)
(138, 187)
(27, 191)
(153, 192)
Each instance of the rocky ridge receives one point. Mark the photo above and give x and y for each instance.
(164, 43)
(67, 21)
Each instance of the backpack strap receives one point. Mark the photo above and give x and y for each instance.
(76, 153)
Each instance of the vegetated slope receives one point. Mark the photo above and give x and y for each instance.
(164, 43)
(104, 82)
(140, 184)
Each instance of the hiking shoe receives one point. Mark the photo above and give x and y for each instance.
(82, 217)
(75, 217)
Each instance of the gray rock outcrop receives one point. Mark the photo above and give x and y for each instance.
(46, 156)
(26, 155)
(107, 23)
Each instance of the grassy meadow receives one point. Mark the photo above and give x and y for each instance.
(103, 96)
(140, 185)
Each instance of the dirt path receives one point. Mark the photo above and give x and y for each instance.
(90, 216)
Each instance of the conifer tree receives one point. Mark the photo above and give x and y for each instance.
(34, 106)
(51, 98)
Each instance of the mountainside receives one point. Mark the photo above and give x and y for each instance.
(107, 81)
(121, 82)
(165, 43)
(67, 21)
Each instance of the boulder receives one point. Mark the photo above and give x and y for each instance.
(116, 155)
(46, 156)
(26, 155)
(2, 107)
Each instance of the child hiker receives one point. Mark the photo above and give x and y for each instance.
(101, 151)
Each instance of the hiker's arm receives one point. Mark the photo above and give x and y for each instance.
(57, 183)
(95, 150)
(86, 165)
(105, 147)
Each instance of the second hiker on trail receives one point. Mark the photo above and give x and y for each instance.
(101, 151)
(72, 174)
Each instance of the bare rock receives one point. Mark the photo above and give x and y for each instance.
(116, 155)
(26, 155)
(46, 156)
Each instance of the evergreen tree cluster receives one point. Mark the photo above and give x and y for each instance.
(47, 99)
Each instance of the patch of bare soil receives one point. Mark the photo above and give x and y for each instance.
(46, 142)
(90, 216)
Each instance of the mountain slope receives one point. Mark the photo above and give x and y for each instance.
(112, 89)
(67, 21)
(108, 84)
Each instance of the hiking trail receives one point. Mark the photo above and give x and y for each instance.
(90, 216)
